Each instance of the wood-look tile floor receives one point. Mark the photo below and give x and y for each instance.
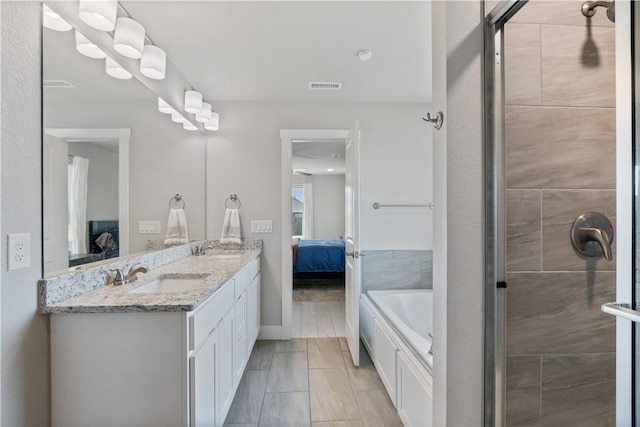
(310, 382)
(312, 319)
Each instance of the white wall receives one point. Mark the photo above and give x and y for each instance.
(102, 180)
(328, 204)
(24, 358)
(244, 158)
(164, 160)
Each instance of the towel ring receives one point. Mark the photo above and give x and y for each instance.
(232, 198)
(174, 202)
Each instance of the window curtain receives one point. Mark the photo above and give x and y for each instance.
(307, 213)
(78, 173)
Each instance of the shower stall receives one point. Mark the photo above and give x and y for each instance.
(553, 254)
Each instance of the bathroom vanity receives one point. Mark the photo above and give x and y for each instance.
(167, 350)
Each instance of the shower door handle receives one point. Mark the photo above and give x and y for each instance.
(623, 310)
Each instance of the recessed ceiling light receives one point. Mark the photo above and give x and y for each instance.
(329, 170)
(365, 55)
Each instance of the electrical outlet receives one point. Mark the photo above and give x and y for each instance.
(19, 250)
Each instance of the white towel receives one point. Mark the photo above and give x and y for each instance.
(231, 232)
(177, 233)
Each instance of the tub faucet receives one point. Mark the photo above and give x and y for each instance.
(431, 346)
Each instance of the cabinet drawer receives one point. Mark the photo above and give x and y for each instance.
(208, 315)
(241, 312)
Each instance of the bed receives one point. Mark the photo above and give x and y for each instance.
(319, 256)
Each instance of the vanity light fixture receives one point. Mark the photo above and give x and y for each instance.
(153, 62)
(87, 48)
(128, 39)
(164, 107)
(177, 117)
(189, 126)
(115, 70)
(192, 101)
(214, 123)
(205, 115)
(53, 21)
(99, 14)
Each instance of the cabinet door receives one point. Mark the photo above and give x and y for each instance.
(224, 366)
(241, 312)
(385, 355)
(202, 380)
(239, 357)
(256, 328)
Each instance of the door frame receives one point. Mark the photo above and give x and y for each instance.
(287, 136)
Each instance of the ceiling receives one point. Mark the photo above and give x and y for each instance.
(316, 156)
(270, 50)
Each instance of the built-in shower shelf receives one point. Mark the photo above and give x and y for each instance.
(623, 310)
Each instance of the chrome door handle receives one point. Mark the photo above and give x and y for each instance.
(354, 254)
(351, 254)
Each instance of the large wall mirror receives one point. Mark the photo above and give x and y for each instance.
(111, 162)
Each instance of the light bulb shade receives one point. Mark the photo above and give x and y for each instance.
(115, 70)
(189, 126)
(177, 117)
(192, 101)
(53, 21)
(128, 40)
(204, 116)
(100, 14)
(153, 62)
(214, 123)
(87, 48)
(165, 108)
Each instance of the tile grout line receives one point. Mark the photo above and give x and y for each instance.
(309, 383)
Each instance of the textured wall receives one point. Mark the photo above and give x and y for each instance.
(560, 127)
(25, 340)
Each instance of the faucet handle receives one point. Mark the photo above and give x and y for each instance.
(592, 235)
(118, 277)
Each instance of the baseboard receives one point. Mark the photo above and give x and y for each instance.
(269, 332)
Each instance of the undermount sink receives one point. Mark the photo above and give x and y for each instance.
(168, 284)
(226, 255)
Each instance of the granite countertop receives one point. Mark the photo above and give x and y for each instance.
(215, 272)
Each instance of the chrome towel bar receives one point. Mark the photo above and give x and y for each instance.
(378, 205)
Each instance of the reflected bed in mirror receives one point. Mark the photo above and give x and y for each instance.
(110, 161)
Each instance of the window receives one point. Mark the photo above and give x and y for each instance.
(297, 210)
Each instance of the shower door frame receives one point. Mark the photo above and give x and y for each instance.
(495, 209)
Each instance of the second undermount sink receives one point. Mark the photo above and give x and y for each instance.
(168, 284)
(226, 254)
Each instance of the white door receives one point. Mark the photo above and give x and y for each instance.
(352, 240)
(55, 204)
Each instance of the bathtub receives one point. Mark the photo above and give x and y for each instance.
(410, 313)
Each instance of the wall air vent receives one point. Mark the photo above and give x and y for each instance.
(62, 84)
(325, 86)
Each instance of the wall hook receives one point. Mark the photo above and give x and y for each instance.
(436, 121)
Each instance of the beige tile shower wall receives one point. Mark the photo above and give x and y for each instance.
(560, 130)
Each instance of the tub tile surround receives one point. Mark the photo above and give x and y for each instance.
(397, 269)
(560, 163)
(85, 288)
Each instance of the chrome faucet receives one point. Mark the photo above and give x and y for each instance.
(120, 279)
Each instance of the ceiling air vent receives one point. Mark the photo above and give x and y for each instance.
(325, 86)
(57, 84)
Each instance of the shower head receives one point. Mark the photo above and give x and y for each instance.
(589, 9)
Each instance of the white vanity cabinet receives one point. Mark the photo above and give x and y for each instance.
(155, 368)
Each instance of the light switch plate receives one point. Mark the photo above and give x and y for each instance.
(262, 226)
(19, 251)
(148, 227)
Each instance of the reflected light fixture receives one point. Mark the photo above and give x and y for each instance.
(128, 39)
(87, 48)
(53, 21)
(204, 116)
(153, 62)
(115, 70)
(192, 101)
(99, 14)
(164, 107)
(189, 126)
(177, 117)
(329, 170)
(214, 123)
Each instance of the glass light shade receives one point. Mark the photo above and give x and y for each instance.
(177, 117)
(153, 62)
(165, 108)
(115, 70)
(100, 14)
(192, 101)
(189, 126)
(204, 116)
(87, 48)
(214, 123)
(53, 21)
(128, 40)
